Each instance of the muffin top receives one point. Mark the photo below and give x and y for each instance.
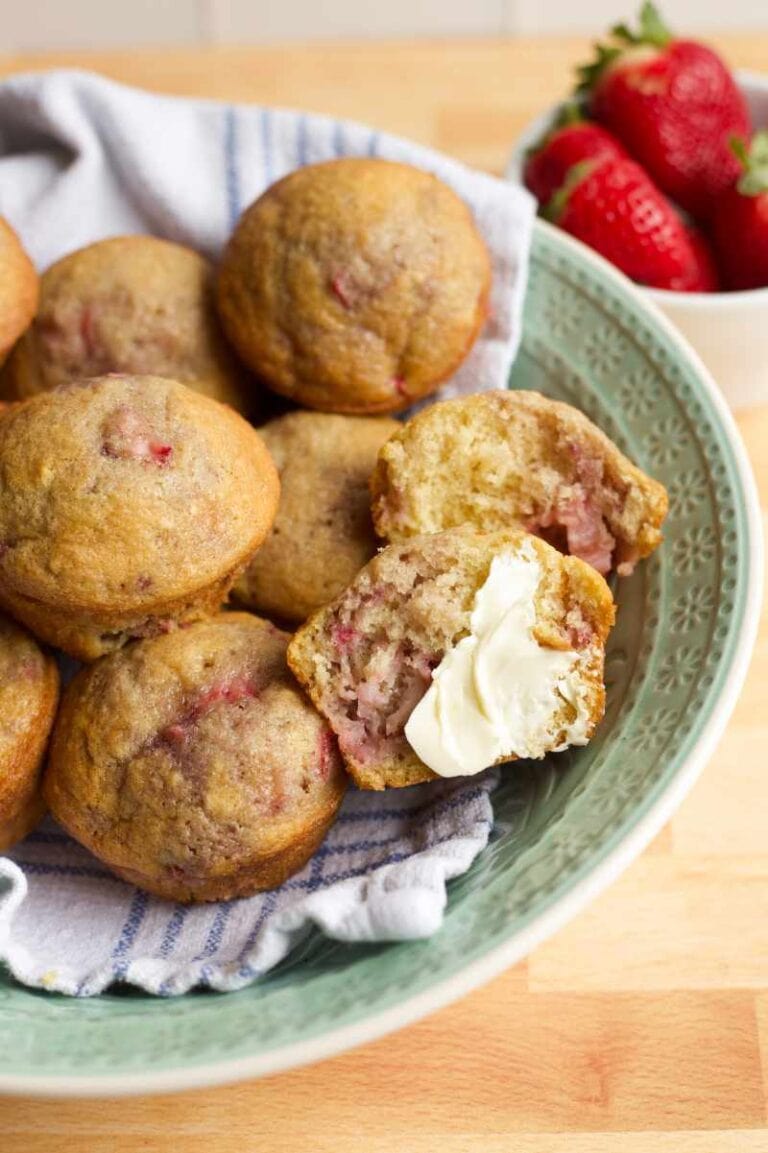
(356, 285)
(28, 692)
(193, 752)
(131, 304)
(125, 492)
(323, 533)
(18, 288)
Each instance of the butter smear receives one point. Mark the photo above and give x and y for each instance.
(497, 692)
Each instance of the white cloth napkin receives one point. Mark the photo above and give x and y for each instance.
(66, 923)
(82, 158)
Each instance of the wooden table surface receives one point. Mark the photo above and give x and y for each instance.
(642, 1027)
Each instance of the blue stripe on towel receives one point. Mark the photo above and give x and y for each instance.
(266, 144)
(212, 943)
(230, 165)
(357, 846)
(339, 143)
(173, 930)
(373, 144)
(216, 931)
(265, 912)
(133, 921)
(302, 141)
(129, 933)
(48, 839)
(317, 865)
(347, 874)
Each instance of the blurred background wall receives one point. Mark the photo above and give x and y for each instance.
(29, 25)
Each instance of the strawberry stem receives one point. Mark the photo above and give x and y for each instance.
(588, 75)
(652, 27)
(568, 114)
(651, 30)
(754, 160)
(555, 206)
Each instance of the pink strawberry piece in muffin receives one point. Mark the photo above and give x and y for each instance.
(233, 691)
(127, 436)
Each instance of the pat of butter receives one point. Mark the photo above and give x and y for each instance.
(497, 692)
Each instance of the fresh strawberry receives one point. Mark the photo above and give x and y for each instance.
(739, 225)
(707, 274)
(615, 208)
(570, 139)
(673, 104)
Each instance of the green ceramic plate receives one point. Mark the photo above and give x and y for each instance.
(676, 662)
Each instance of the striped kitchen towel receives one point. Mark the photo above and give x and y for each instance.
(82, 158)
(68, 924)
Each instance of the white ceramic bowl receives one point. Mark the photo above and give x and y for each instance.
(729, 330)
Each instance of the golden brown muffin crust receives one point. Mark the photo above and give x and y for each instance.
(367, 659)
(135, 305)
(18, 288)
(322, 535)
(356, 286)
(126, 504)
(192, 765)
(29, 693)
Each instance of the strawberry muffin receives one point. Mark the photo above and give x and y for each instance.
(128, 505)
(322, 535)
(355, 286)
(18, 288)
(131, 304)
(192, 765)
(500, 459)
(29, 693)
(452, 652)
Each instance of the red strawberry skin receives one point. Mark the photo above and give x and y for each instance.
(705, 265)
(616, 209)
(547, 167)
(673, 104)
(739, 232)
(675, 109)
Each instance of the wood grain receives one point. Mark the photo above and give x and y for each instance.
(643, 1026)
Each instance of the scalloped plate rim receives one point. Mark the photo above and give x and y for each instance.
(588, 881)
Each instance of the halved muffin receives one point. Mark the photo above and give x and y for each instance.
(454, 651)
(518, 459)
